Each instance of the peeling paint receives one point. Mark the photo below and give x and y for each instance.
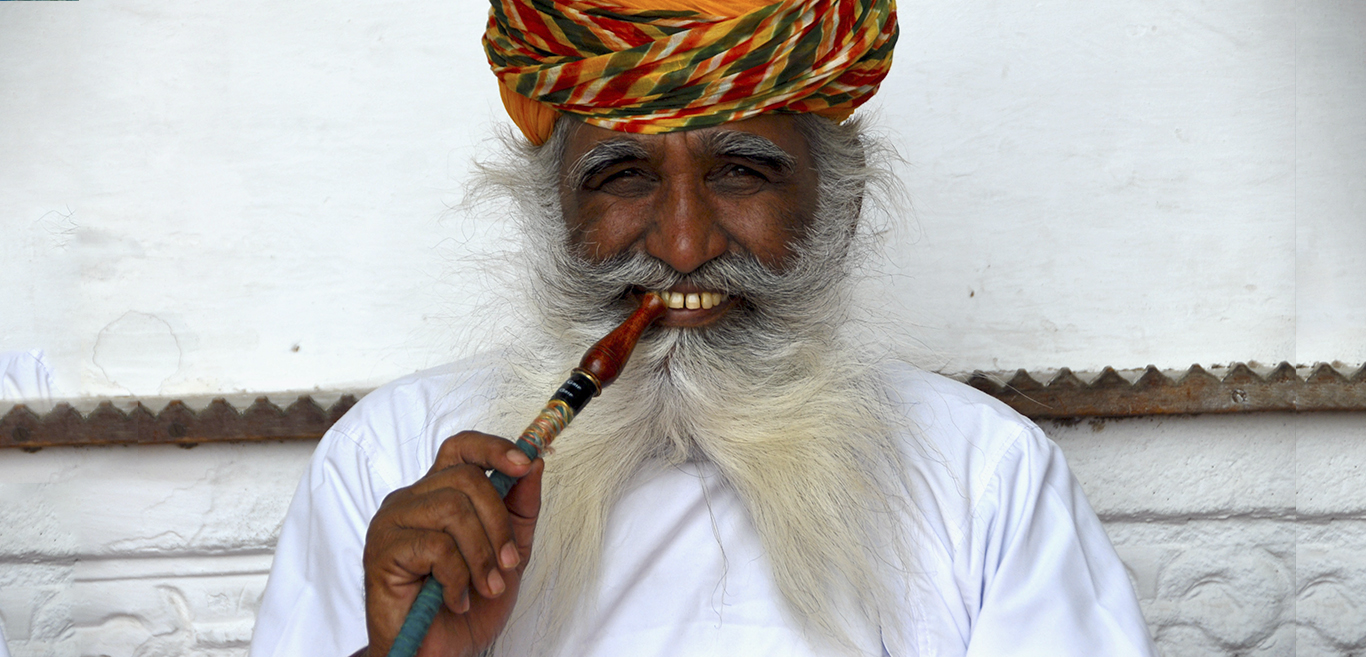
(137, 352)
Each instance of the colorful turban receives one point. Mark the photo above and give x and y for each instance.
(654, 66)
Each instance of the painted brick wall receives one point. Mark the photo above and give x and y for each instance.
(156, 551)
(1244, 536)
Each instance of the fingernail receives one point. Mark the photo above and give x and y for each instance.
(496, 582)
(465, 601)
(516, 456)
(508, 556)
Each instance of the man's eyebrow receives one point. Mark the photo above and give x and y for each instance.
(749, 146)
(601, 156)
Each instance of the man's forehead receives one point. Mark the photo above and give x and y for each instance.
(759, 134)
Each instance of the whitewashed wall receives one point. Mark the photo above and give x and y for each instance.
(200, 198)
(1244, 536)
(191, 190)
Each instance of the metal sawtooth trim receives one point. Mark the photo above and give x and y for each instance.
(176, 423)
(1238, 388)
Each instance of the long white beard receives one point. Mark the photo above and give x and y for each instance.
(776, 395)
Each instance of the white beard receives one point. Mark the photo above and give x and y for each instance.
(775, 394)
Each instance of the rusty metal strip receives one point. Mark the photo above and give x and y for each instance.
(177, 423)
(1240, 390)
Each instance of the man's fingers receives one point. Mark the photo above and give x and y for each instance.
(397, 562)
(494, 517)
(422, 554)
(454, 576)
(453, 526)
(462, 492)
(483, 450)
(479, 534)
(467, 514)
(450, 569)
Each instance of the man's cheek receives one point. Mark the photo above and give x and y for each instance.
(607, 229)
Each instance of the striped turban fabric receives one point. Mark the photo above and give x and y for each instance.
(655, 66)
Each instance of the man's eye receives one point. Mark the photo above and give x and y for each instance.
(623, 182)
(739, 179)
(741, 171)
(624, 173)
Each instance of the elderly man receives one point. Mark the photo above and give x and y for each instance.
(763, 479)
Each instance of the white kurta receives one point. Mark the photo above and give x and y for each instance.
(1010, 558)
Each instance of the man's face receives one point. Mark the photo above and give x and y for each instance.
(747, 187)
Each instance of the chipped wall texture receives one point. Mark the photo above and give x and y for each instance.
(202, 198)
(1244, 536)
(140, 550)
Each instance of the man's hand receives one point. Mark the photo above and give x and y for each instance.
(451, 525)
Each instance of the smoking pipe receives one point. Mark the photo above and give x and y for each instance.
(598, 369)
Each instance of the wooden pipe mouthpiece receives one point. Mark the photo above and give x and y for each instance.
(606, 358)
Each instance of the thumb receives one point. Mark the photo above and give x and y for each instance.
(524, 504)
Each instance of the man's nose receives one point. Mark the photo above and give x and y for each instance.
(685, 233)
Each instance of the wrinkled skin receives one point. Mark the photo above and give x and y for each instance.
(682, 200)
(452, 525)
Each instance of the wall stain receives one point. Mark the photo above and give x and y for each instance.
(137, 352)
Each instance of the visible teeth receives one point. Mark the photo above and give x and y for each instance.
(692, 300)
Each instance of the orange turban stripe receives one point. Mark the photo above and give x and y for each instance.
(681, 64)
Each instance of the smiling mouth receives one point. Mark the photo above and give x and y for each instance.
(692, 308)
(693, 300)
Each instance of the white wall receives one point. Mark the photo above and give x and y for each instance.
(1136, 182)
(1244, 536)
(112, 551)
(190, 190)
(200, 198)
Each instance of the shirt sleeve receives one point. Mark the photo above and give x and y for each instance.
(1050, 582)
(314, 602)
(4, 651)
